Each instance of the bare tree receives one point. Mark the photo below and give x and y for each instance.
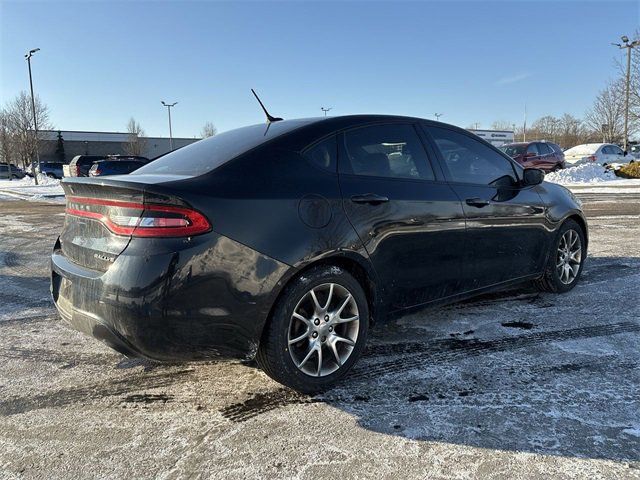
(634, 87)
(208, 130)
(22, 141)
(571, 131)
(545, 128)
(607, 114)
(502, 125)
(6, 148)
(136, 143)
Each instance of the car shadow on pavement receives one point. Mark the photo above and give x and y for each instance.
(548, 374)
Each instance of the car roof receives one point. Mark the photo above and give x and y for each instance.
(303, 130)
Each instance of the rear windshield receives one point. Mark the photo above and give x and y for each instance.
(86, 159)
(513, 150)
(203, 156)
(582, 150)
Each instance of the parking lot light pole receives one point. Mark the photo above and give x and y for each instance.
(169, 105)
(35, 120)
(325, 110)
(628, 45)
(438, 115)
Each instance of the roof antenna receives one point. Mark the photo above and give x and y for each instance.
(269, 117)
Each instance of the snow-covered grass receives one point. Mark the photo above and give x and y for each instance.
(47, 188)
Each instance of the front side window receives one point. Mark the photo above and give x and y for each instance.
(470, 161)
(393, 151)
(513, 150)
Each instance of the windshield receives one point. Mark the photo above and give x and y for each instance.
(583, 150)
(513, 150)
(206, 155)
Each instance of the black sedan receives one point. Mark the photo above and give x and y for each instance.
(285, 242)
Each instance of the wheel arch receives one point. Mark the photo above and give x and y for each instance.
(359, 267)
(579, 219)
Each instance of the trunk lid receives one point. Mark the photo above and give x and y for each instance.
(85, 239)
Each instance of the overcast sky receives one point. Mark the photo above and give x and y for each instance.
(101, 63)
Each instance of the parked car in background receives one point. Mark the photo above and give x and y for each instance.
(116, 166)
(634, 151)
(80, 165)
(284, 242)
(546, 156)
(601, 153)
(16, 172)
(50, 169)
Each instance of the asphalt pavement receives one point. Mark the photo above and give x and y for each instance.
(513, 384)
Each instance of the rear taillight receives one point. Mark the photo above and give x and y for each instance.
(75, 171)
(95, 173)
(140, 220)
(592, 158)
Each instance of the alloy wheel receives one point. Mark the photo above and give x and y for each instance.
(323, 329)
(569, 257)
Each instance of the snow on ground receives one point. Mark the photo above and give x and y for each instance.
(47, 189)
(514, 384)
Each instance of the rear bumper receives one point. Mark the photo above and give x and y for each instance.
(209, 300)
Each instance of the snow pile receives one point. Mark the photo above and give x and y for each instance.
(29, 181)
(47, 188)
(581, 174)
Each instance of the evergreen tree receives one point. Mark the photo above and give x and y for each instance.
(60, 148)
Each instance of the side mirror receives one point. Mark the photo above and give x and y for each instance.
(532, 176)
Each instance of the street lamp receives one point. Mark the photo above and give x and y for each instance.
(35, 120)
(628, 45)
(325, 110)
(438, 115)
(169, 105)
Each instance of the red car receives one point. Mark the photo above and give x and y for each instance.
(546, 156)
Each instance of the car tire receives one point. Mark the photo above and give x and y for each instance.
(302, 324)
(564, 266)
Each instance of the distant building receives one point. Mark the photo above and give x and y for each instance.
(495, 137)
(101, 143)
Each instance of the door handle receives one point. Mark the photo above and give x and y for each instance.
(477, 202)
(370, 198)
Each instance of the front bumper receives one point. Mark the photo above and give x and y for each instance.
(209, 300)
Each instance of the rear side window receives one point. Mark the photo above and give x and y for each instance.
(544, 149)
(393, 151)
(616, 150)
(533, 148)
(556, 148)
(206, 155)
(324, 154)
(469, 160)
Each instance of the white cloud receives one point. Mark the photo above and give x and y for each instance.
(513, 79)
